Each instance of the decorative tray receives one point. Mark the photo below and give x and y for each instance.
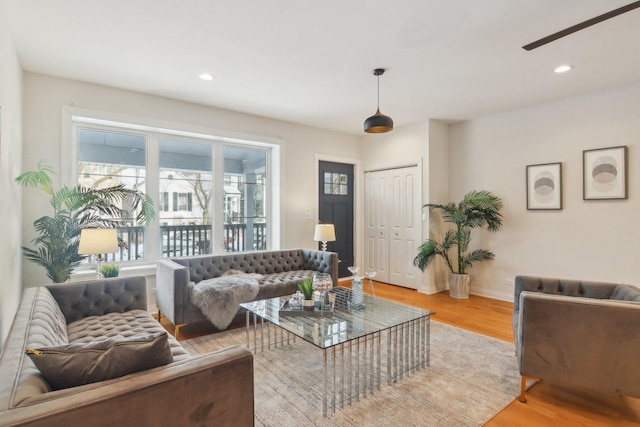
(287, 310)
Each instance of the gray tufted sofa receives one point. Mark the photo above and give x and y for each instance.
(578, 333)
(282, 271)
(215, 389)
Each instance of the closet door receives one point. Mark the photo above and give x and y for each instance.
(405, 227)
(376, 211)
(393, 225)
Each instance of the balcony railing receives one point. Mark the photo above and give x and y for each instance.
(185, 240)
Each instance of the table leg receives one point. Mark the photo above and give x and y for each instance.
(324, 391)
(247, 327)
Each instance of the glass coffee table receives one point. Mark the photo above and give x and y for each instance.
(382, 342)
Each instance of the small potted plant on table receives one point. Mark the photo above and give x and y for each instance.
(306, 287)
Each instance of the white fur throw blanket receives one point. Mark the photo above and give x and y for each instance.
(219, 298)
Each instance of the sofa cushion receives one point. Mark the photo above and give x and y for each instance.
(281, 284)
(207, 266)
(99, 297)
(120, 325)
(76, 364)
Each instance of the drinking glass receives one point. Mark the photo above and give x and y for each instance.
(371, 273)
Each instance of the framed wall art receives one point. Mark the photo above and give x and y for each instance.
(544, 186)
(604, 173)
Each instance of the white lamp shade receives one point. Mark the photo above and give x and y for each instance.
(98, 241)
(324, 233)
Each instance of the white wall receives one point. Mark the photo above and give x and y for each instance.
(44, 97)
(590, 240)
(593, 240)
(436, 277)
(10, 167)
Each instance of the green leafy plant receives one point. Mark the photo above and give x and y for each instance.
(306, 287)
(477, 209)
(75, 208)
(109, 270)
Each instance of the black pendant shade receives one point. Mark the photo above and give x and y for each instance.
(378, 123)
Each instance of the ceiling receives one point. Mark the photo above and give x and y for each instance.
(310, 62)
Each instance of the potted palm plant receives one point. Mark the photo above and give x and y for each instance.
(476, 210)
(75, 208)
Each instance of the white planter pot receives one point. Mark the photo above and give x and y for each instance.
(459, 286)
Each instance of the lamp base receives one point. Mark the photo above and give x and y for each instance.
(324, 246)
(99, 261)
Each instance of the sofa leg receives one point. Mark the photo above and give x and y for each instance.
(176, 330)
(159, 316)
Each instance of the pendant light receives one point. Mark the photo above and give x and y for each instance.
(378, 123)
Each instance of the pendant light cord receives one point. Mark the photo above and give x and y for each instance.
(378, 76)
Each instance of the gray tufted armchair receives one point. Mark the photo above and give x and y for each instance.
(282, 271)
(578, 333)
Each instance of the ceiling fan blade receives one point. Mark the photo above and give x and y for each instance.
(582, 25)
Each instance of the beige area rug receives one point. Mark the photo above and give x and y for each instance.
(471, 378)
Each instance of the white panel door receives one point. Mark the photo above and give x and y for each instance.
(393, 225)
(405, 227)
(376, 224)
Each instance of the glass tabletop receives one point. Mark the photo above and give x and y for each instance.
(344, 323)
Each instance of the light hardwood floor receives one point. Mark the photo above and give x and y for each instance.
(546, 405)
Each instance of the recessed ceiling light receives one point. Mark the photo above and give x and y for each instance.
(562, 69)
(206, 76)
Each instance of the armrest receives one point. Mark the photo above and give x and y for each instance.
(98, 297)
(214, 389)
(322, 261)
(172, 289)
(581, 341)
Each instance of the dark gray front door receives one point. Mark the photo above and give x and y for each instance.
(336, 207)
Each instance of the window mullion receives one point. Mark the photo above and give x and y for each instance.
(217, 209)
(152, 234)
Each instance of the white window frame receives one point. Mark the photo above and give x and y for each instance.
(74, 117)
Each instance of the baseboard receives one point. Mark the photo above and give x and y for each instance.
(489, 293)
(153, 309)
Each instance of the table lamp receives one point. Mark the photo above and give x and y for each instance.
(324, 233)
(98, 241)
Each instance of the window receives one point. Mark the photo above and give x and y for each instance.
(182, 201)
(164, 201)
(107, 158)
(336, 184)
(245, 182)
(180, 172)
(186, 173)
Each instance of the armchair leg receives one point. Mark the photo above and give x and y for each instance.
(523, 390)
(159, 316)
